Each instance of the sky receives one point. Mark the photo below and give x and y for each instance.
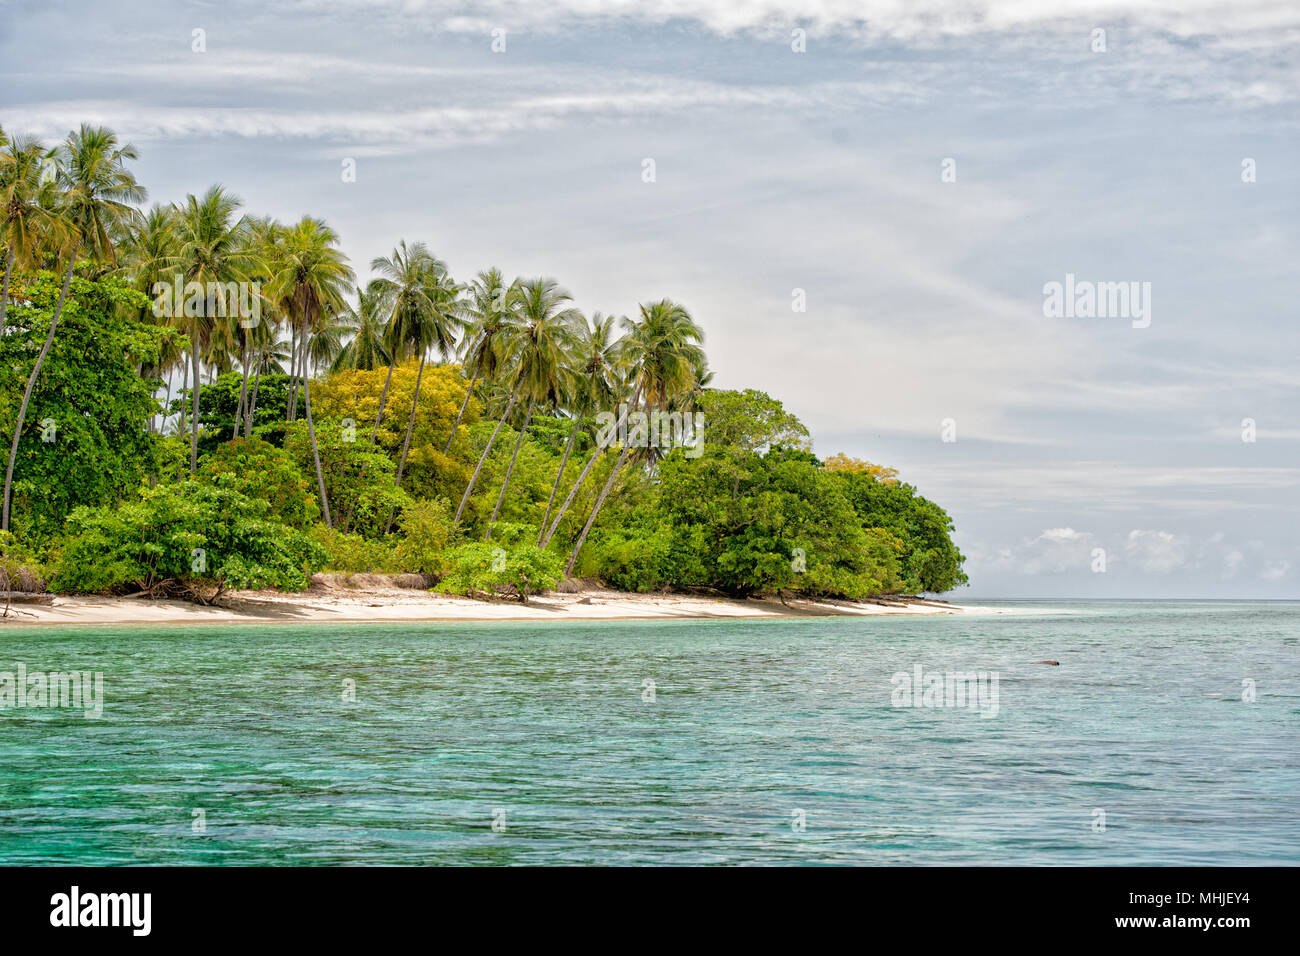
(861, 202)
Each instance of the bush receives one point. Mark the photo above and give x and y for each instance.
(358, 475)
(426, 531)
(260, 470)
(352, 553)
(627, 560)
(20, 569)
(487, 569)
(181, 538)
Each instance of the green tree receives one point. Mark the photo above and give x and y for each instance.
(487, 314)
(93, 407)
(537, 343)
(308, 277)
(95, 192)
(26, 196)
(597, 357)
(212, 257)
(663, 352)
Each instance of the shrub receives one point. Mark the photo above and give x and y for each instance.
(180, 539)
(487, 569)
(352, 553)
(426, 530)
(260, 470)
(358, 475)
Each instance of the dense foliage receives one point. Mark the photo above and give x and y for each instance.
(484, 435)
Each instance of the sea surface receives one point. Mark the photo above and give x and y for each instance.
(680, 742)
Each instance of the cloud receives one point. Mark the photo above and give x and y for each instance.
(1250, 22)
(1156, 552)
(1055, 551)
(1276, 570)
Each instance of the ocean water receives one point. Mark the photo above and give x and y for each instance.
(763, 742)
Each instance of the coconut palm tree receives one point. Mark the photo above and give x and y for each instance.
(95, 193)
(367, 349)
(487, 315)
(547, 360)
(402, 290)
(212, 251)
(270, 355)
(537, 344)
(309, 277)
(664, 358)
(24, 217)
(597, 360)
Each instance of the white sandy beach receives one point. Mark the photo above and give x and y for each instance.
(331, 599)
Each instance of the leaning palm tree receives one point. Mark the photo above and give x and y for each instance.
(309, 278)
(211, 254)
(597, 355)
(547, 360)
(662, 351)
(537, 345)
(24, 218)
(487, 315)
(96, 192)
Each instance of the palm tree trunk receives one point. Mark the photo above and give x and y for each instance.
(27, 395)
(510, 470)
(252, 400)
(406, 445)
(315, 450)
(591, 518)
(463, 405)
(194, 424)
(162, 425)
(410, 425)
(243, 390)
(291, 406)
(4, 293)
(473, 479)
(182, 417)
(383, 400)
(587, 470)
(568, 449)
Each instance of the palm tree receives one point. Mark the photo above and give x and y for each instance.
(211, 252)
(426, 315)
(308, 278)
(367, 349)
(96, 190)
(537, 344)
(328, 340)
(487, 315)
(150, 248)
(663, 354)
(402, 292)
(24, 217)
(270, 354)
(597, 353)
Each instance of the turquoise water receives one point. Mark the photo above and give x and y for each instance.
(751, 722)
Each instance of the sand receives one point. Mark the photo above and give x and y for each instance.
(338, 602)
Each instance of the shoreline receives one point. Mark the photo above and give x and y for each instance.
(328, 602)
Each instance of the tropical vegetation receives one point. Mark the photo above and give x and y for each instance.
(195, 399)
